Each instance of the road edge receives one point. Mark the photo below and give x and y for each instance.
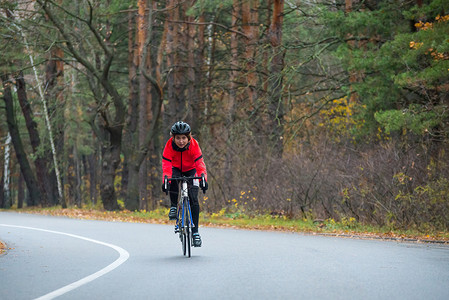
(112, 217)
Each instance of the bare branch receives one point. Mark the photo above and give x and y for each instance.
(210, 23)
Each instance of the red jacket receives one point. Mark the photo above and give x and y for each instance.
(190, 158)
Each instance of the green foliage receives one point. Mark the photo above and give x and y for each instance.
(401, 72)
(12, 43)
(415, 119)
(365, 24)
(422, 55)
(208, 6)
(431, 10)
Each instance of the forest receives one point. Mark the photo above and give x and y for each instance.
(323, 109)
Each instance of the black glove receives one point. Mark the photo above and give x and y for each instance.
(165, 190)
(203, 184)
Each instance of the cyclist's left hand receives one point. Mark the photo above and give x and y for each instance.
(165, 190)
(204, 185)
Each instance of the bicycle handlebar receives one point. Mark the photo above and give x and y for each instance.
(185, 178)
(166, 180)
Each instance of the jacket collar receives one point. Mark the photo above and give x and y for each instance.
(176, 148)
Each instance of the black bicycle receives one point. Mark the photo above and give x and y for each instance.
(184, 223)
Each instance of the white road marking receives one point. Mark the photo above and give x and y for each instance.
(124, 255)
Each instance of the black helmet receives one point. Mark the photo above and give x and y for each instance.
(180, 127)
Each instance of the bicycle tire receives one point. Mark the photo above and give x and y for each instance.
(184, 242)
(182, 235)
(188, 227)
(184, 223)
(188, 237)
(187, 230)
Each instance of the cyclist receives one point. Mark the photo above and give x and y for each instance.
(182, 156)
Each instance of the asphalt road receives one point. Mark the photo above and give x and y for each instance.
(78, 259)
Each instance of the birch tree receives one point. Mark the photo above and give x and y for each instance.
(6, 192)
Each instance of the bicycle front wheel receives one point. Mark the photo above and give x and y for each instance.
(183, 231)
(184, 241)
(189, 239)
(187, 229)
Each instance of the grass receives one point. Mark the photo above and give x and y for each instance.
(345, 227)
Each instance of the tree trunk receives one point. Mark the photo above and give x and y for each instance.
(275, 102)
(232, 100)
(29, 177)
(149, 112)
(250, 26)
(144, 98)
(133, 100)
(45, 186)
(191, 71)
(137, 107)
(353, 74)
(169, 110)
(252, 103)
(54, 97)
(176, 52)
(111, 161)
(154, 110)
(53, 175)
(77, 175)
(132, 196)
(21, 192)
(143, 125)
(6, 192)
(91, 162)
(2, 190)
(195, 44)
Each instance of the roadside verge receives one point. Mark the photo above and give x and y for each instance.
(345, 229)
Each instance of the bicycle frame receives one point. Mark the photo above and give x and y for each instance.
(184, 207)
